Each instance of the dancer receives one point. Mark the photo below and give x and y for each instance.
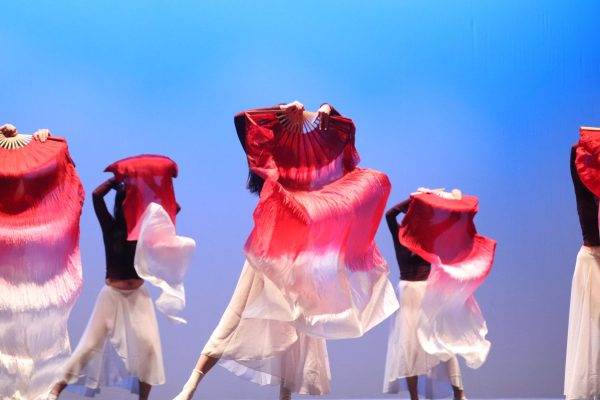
(438, 317)
(40, 273)
(582, 369)
(312, 269)
(121, 343)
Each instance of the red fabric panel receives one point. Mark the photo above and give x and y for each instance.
(587, 159)
(36, 181)
(40, 204)
(439, 229)
(148, 178)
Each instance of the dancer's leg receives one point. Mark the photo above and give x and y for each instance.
(205, 363)
(91, 343)
(459, 394)
(190, 386)
(217, 342)
(56, 390)
(455, 378)
(411, 382)
(284, 393)
(144, 390)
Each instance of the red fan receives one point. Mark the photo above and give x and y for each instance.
(292, 148)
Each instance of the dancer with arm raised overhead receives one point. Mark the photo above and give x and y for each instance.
(121, 343)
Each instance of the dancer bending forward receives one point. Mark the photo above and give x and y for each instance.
(312, 269)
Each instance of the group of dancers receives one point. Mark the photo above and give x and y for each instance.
(312, 269)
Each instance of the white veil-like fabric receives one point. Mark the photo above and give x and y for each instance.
(162, 259)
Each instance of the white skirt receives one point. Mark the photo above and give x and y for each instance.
(267, 352)
(582, 370)
(405, 355)
(120, 345)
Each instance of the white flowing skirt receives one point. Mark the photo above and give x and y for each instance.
(267, 351)
(582, 370)
(120, 345)
(405, 355)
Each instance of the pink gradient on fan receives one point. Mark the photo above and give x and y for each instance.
(39, 257)
(40, 264)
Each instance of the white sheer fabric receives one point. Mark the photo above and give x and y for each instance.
(451, 322)
(162, 259)
(120, 345)
(405, 355)
(582, 371)
(266, 351)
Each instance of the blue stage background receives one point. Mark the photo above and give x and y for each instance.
(486, 96)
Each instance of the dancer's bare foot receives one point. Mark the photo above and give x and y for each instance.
(459, 394)
(56, 391)
(284, 393)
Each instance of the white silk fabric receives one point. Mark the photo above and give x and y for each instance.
(162, 259)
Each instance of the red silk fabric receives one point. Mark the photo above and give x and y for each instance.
(314, 229)
(148, 179)
(587, 159)
(314, 199)
(28, 174)
(41, 198)
(442, 230)
(300, 161)
(40, 267)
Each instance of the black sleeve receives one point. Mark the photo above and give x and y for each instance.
(104, 217)
(402, 253)
(587, 207)
(392, 214)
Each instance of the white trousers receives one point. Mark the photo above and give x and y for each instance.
(120, 345)
(267, 352)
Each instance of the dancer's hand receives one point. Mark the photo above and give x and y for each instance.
(293, 116)
(116, 184)
(423, 190)
(293, 106)
(455, 193)
(8, 130)
(323, 115)
(41, 135)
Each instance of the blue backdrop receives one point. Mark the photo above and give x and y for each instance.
(486, 96)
